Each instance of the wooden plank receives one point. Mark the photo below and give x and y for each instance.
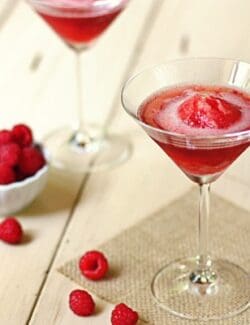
(199, 28)
(24, 268)
(24, 39)
(45, 220)
(6, 9)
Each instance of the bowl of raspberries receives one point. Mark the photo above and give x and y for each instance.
(23, 168)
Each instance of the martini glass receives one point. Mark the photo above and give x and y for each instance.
(79, 23)
(200, 287)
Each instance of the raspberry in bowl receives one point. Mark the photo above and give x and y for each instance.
(23, 169)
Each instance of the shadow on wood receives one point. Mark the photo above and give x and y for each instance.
(58, 195)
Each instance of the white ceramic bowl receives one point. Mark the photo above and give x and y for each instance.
(16, 196)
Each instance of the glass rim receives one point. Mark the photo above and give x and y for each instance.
(61, 4)
(215, 138)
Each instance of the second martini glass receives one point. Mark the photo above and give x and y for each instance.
(201, 287)
(79, 23)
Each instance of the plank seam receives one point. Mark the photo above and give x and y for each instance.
(7, 11)
(142, 40)
(47, 273)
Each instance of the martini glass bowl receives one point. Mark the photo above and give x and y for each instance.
(79, 24)
(199, 287)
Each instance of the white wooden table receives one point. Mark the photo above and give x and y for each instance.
(77, 213)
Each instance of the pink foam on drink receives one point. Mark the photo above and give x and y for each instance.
(198, 110)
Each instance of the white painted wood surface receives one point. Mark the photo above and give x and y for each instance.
(61, 227)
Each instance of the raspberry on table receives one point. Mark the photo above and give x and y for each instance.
(81, 303)
(6, 137)
(94, 265)
(31, 161)
(7, 174)
(123, 315)
(10, 154)
(11, 231)
(22, 135)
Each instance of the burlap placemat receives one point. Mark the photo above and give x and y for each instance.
(137, 253)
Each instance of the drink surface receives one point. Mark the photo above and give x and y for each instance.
(80, 21)
(198, 111)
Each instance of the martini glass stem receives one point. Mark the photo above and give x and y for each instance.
(204, 273)
(81, 136)
(204, 212)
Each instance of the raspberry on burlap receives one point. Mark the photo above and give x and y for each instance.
(94, 265)
(123, 315)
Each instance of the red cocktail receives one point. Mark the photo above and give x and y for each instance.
(199, 111)
(79, 23)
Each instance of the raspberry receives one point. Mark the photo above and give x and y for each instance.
(5, 137)
(209, 112)
(7, 174)
(22, 135)
(81, 303)
(31, 161)
(19, 175)
(10, 154)
(123, 315)
(94, 265)
(11, 231)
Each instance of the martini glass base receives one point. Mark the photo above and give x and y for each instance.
(98, 154)
(228, 296)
